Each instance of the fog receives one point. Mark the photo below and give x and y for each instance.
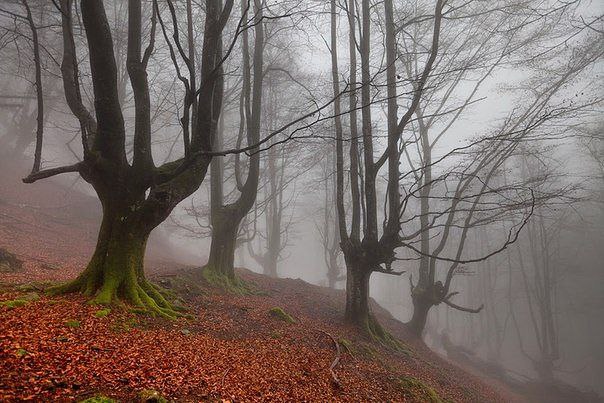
(454, 160)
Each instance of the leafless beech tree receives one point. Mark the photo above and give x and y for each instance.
(327, 227)
(438, 50)
(373, 252)
(227, 218)
(136, 196)
(26, 112)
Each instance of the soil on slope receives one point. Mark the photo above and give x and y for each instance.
(232, 349)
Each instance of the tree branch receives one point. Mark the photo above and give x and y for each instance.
(47, 173)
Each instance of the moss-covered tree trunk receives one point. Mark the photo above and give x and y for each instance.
(115, 271)
(136, 195)
(358, 311)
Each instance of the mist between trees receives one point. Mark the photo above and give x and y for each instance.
(443, 157)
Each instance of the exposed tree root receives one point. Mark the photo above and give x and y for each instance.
(140, 293)
(233, 284)
(380, 335)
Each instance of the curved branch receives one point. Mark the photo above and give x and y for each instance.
(463, 309)
(379, 269)
(47, 173)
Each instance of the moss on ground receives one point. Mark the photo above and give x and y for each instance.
(369, 351)
(279, 313)
(124, 326)
(347, 345)
(14, 303)
(34, 286)
(72, 323)
(419, 390)
(380, 335)
(21, 352)
(21, 300)
(102, 313)
(99, 399)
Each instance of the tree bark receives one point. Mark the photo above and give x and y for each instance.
(115, 271)
(421, 308)
(424, 298)
(270, 268)
(225, 225)
(227, 218)
(357, 294)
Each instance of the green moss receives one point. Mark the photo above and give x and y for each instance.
(419, 390)
(102, 313)
(98, 399)
(21, 352)
(72, 323)
(347, 344)
(27, 287)
(30, 296)
(276, 335)
(151, 396)
(380, 335)
(15, 303)
(232, 285)
(125, 325)
(279, 313)
(369, 351)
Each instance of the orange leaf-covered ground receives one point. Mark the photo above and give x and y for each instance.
(231, 349)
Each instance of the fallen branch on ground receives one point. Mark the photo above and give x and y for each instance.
(336, 360)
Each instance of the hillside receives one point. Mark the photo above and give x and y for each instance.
(234, 347)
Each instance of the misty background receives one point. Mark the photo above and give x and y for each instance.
(542, 294)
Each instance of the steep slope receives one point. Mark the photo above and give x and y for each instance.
(276, 343)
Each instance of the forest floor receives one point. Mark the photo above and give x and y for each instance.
(234, 347)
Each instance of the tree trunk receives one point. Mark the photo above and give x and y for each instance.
(421, 308)
(545, 370)
(225, 225)
(358, 312)
(115, 271)
(270, 267)
(357, 295)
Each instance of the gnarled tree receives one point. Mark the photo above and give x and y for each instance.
(135, 195)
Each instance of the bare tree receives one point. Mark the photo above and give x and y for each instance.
(227, 218)
(373, 252)
(136, 196)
